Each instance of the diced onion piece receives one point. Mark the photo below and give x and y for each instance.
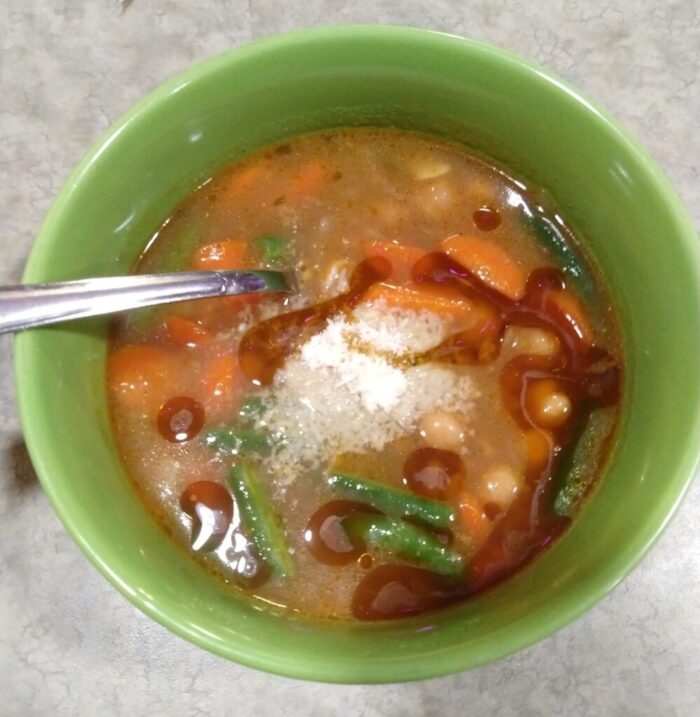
(429, 168)
(336, 278)
(442, 429)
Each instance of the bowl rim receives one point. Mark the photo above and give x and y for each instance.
(595, 589)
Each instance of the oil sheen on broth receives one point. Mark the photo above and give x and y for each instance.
(411, 428)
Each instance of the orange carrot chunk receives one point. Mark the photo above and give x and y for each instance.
(142, 376)
(225, 255)
(221, 255)
(186, 332)
(401, 256)
(472, 518)
(222, 379)
(247, 179)
(488, 261)
(307, 182)
(416, 297)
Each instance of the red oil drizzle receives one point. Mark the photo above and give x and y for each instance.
(486, 218)
(325, 536)
(393, 591)
(180, 419)
(249, 569)
(210, 506)
(434, 473)
(265, 346)
(481, 344)
(589, 376)
(215, 524)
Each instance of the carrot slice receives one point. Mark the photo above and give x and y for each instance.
(308, 181)
(414, 297)
(488, 261)
(142, 376)
(218, 314)
(221, 384)
(221, 255)
(247, 178)
(401, 256)
(472, 518)
(572, 311)
(186, 332)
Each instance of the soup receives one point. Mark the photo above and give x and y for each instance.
(411, 427)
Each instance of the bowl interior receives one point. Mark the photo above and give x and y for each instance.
(606, 186)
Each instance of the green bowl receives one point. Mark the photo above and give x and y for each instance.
(607, 186)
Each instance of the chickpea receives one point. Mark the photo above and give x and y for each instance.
(532, 341)
(547, 404)
(442, 429)
(499, 484)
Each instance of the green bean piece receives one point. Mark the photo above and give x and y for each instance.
(236, 439)
(272, 248)
(252, 407)
(394, 502)
(548, 235)
(260, 518)
(405, 540)
(580, 467)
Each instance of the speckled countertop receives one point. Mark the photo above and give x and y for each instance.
(69, 643)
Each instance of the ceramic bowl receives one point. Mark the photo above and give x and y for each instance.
(607, 186)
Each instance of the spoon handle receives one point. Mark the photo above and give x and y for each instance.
(29, 305)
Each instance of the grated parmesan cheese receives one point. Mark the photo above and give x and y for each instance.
(352, 387)
(372, 379)
(398, 331)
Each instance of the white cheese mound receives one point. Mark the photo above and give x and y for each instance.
(372, 380)
(352, 388)
(398, 331)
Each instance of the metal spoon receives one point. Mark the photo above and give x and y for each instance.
(28, 305)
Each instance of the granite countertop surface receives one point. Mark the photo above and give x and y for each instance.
(69, 643)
